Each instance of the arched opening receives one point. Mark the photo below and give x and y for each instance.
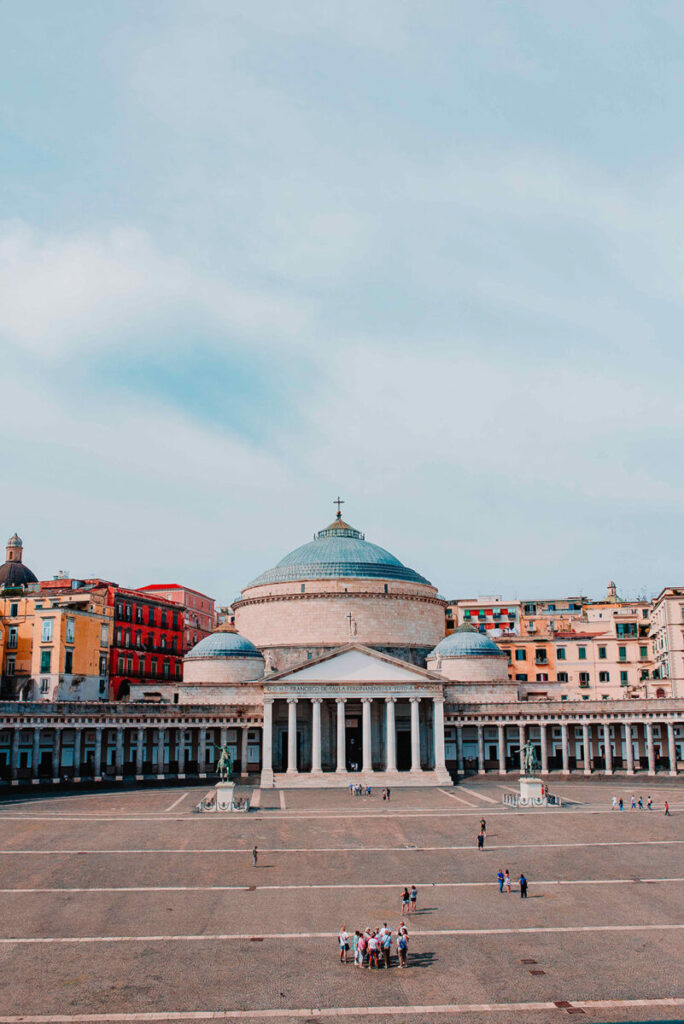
(660, 692)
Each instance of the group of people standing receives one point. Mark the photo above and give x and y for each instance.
(619, 805)
(504, 880)
(373, 947)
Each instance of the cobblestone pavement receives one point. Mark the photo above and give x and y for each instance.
(128, 906)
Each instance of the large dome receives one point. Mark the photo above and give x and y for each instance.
(466, 642)
(223, 644)
(339, 551)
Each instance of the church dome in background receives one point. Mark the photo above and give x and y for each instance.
(226, 642)
(338, 551)
(14, 573)
(466, 642)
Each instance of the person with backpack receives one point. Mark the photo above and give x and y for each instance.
(361, 948)
(402, 949)
(386, 946)
(343, 939)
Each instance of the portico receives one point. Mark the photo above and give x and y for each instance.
(354, 716)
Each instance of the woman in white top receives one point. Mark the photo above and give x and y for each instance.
(343, 938)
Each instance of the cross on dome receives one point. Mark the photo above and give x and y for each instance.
(339, 502)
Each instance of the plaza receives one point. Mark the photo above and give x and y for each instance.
(127, 905)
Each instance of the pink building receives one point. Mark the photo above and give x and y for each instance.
(199, 619)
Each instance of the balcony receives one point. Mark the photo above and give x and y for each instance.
(541, 661)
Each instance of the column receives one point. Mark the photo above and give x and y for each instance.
(292, 735)
(77, 755)
(629, 750)
(161, 736)
(139, 752)
(391, 730)
(585, 745)
(202, 753)
(459, 749)
(181, 753)
(366, 752)
(35, 756)
(56, 754)
(415, 734)
(544, 749)
(565, 752)
(521, 742)
(341, 736)
(607, 748)
(97, 756)
(316, 735)
(267, 744)
(650, 752)
(480, 750)
(118, 763)
(671, 749)
(502, 749)
(14, 755)
(438, 725)
(244, 738)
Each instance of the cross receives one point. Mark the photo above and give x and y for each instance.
(351, 619)
(338, 501)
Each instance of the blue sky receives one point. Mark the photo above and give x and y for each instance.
(426, 255)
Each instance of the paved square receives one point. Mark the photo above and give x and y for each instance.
(129, 906)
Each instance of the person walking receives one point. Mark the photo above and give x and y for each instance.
(649, 802)
(621, 804)
(386, 946)
(480, 840)
(633, 803)
(523, 887)
(414, 898)
(507, 881)
(255, 855)
(641, 803)
(402, 949)
(615, 803)
(405, 901)
(343, 938)
(500, 879)
(483, 826)
(667, 810)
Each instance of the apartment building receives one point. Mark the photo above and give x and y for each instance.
(667, 638)
(489, 614)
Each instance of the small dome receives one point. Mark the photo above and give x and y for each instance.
(224, 643)
(466, 642)
(338, 551)
(15, 541)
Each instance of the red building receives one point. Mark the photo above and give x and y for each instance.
(147, 645)
(199, 614)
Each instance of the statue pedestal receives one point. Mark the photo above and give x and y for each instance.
(530, 789)
(224, 795)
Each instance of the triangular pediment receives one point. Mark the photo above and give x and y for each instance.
(356, 664)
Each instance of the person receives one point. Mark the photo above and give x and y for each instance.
(414, 897)
(649, 802)
(384, 794)
(402, 949)
(389, 793)
(633, 803)
(641, 803)
(483, 826)
(255, 855)
(343, 938)
(500, 879)
(480, 841)
(667, 810)
(621, 804)
(523, 887)
(507, 880)
(361, 948)
(368, 791)
(386, 944)
(405, 901)
(373, 950)
(615, 803)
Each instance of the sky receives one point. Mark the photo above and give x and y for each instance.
(425, 255)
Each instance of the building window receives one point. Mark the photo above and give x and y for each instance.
(70, 630)
(118, 637)
(153, 667)
(562, 677)
(46, 633)
(162, 642)
(560, 653)
(44, 685)
(302, 588)
(622, 653)
(103, 686)
(643, 652)
(150, 616)
(542, 677)
(163, 619)
(10, 666)
(45, 658)
(584, 678)
(522, 678)
(644, 673)
(166, 668)
(520, 654)
(624, 679)
(14, 610)
(585, 696)
(604, 696)
(12, 635)
(178, 670)
(582, 653)
(602, 652)
(564, 696)
(138, 613)
(450, 624)
(120, 664)
(103, 664)
(69, 662)
(604, 677)
(119, 610)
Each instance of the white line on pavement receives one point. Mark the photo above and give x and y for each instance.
(329, 885)
(432, 932)
(348, 849)
(176, 802)
(459, 798)
(338, 1011)
(480, 796)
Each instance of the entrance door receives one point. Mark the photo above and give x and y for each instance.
(354, 752)
(403, 750)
